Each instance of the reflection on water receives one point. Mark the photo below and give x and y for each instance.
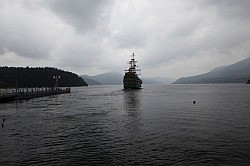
(132, 100)
(132, 107)
(132, 126)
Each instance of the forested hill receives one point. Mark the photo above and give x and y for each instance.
(37, 77)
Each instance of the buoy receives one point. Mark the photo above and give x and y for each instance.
(2, 125)
(194, 102)
(3, 119)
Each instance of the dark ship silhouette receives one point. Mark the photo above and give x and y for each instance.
(131, 79)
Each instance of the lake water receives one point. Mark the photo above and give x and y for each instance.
(105, 125)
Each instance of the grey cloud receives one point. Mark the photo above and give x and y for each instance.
(26, 33)
(25, 45)
(239, 9)
(44, 30)
(129, 40)
(83, 15)
(96, 35)
(208, 33)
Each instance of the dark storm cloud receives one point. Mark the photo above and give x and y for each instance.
(82, 14)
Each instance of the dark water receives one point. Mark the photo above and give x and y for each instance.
(104, 125)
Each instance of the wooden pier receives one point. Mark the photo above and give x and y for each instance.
(25, 94)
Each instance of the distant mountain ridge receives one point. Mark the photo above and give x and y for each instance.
(90, 81)
(234, 73)
(157, 80)
(110, 78)
(114, 78)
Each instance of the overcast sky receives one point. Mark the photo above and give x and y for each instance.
(171, 38)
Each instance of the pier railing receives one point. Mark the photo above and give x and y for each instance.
(28, 93)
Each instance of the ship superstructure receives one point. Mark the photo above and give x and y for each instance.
(131, 79)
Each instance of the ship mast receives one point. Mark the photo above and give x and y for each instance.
(133, 66)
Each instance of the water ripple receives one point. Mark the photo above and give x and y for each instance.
(104, 125)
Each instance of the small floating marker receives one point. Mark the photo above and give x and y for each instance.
(2, 125)
(3, 120)
(194, 101)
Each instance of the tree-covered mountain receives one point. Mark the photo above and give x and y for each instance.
(235, 73)
(37, 77)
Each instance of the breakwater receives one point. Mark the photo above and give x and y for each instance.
(25, 94)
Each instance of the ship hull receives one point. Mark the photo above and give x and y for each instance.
(131, 81)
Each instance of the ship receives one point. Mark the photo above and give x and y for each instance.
(131, 79)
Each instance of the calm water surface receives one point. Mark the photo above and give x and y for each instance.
(104, 125)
